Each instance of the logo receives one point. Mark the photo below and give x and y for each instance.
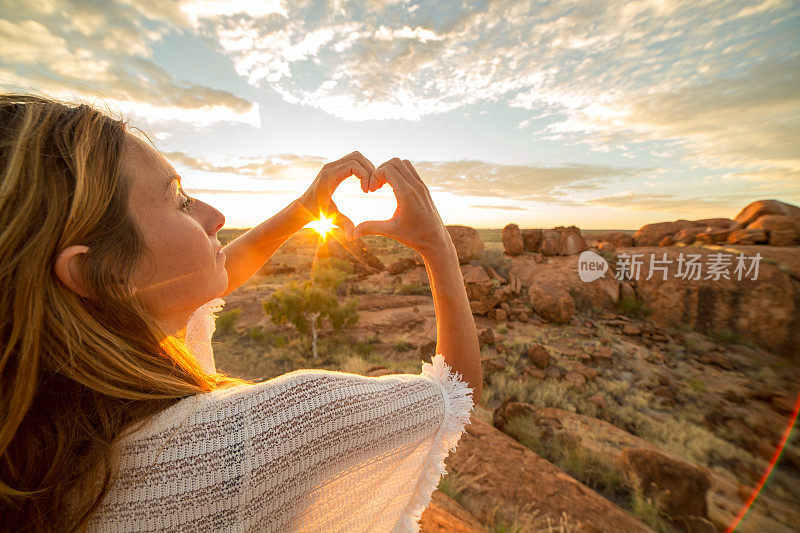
(591, 266)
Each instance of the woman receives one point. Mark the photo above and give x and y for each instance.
(113, 415)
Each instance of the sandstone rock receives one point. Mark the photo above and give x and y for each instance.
(571, 242)
(667, 241)
(492, 273)
(512, 477)
(631, 329)
(538, 355)
(481, 292)
(523, 317)
(762, 311)
(467, 242)
(427, 349)
(599, 400)
(552, 372)
(551, 303)
(680, 488)
(687, 235)
(445, 515)
(783, 237)
(651, 234)
(551, 241)
(606, 247)
(533, 372)
(715, 223)
(617, 239)
(474, 274)
(500, 315)
(765, 207)
(563, 272)
(531, 239)
(626, 291)
(716, 236)
(401, 265)
(589, 373)
(486, 337)
(773, 222)
(575, 378)
(512, 240)
(747, 236)
(490, 366)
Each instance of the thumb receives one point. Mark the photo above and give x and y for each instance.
(372, 227)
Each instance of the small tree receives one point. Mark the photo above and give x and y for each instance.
(306, 304)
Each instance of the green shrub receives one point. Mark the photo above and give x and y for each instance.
(402, 345)
(632, 308)
(226, 321)
(414, 288)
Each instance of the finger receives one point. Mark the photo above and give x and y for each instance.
(413, 171)
(341, 220)
(374, 227)
(406, 175)
(336, 174)
(387, 173)
(366, 163)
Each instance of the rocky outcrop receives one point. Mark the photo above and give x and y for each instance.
(531, 239)
(551, 302)
(617, 239)
(512, 239)
(501, 477)
(444, 515)
(679, 488)
(605, 441)
(467, 242)
(563, 272)
(757, 209)
(481, 291)
(765, 311)
(570, 241)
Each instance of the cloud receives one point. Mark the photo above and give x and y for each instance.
(463, 178)
(87, 51)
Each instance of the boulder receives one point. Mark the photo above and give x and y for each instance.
(714, 236)
(512, 240)
(467, 242)
(604, 441)
(538, 355)
(687, 235)
(667, 241)
(714, 223)
(651, 234)
(481, 292)
(680, 488)
(747, 236)
(531, 239)
(445, 515)
(401, 265)
(563, 271)
(570, 242)
(551, 302)
(783, 237)
(773, 222)
(759, 208)
(551, 242)
(617, 238)
(507, 477)
(762, 310)
(575, 378)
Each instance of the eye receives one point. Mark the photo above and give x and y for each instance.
(187, 203)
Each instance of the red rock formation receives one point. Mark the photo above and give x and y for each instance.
(467, 242)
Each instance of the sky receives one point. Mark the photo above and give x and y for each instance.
(605, 115)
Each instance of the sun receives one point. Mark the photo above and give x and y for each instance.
(323, 225)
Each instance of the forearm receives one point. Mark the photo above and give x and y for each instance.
(456, 335)
(248, 252)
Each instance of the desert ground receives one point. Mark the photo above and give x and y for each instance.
(610, 405)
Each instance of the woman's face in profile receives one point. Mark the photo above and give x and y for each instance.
(180, 269)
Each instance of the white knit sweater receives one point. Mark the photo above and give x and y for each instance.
(311, 450)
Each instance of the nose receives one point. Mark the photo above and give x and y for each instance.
(213, 218)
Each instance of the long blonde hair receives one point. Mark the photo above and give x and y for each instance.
(74, 372)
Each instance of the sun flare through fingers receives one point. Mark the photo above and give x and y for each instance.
(323, 225)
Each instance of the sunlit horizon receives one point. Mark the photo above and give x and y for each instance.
(605, 116)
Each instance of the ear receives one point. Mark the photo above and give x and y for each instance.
(68, 268)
